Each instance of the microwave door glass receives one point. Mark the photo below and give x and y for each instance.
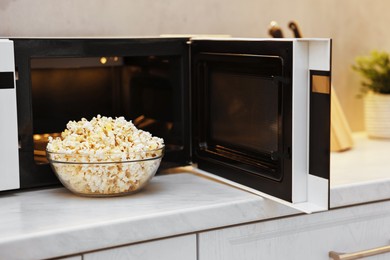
(244, 113)
(240, 101)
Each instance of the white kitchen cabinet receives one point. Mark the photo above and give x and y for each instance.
(302, 237)
(176, 248)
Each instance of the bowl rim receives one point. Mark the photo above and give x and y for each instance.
(162, 149)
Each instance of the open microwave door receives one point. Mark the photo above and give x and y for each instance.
(261, 116)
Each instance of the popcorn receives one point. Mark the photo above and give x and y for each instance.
(97, 157)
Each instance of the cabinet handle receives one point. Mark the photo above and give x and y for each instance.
(357, 255)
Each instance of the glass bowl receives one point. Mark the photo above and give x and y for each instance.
(105, 174)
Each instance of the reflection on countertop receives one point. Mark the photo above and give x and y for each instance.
(56, 221)
(361, 174)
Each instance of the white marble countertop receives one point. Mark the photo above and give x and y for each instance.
(361, 174)
(53, 222)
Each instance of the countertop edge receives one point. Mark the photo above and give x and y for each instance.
(359, 193)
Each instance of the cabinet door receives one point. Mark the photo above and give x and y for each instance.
(302, 237)
(177, 248)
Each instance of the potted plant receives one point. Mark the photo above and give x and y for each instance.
(375, 70)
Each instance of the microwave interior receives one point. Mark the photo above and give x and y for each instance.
(58, 80)
(141, 89)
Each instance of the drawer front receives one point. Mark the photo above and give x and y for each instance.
(303, 237)
(177, 248)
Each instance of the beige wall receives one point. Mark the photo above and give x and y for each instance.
(356, 26)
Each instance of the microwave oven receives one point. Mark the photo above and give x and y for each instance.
(254, 112)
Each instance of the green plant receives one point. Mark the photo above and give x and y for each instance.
(375, 69)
